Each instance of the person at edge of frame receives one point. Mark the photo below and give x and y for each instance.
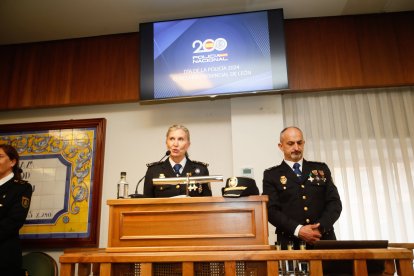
(15, 197)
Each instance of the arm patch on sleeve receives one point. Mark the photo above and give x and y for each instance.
(25, 202)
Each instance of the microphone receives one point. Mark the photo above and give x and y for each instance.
(136, 195)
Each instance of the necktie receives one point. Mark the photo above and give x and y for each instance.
(177, 168)
(296, 169)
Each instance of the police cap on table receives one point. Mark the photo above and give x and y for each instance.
(240, 186)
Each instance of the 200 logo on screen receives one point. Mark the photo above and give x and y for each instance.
(207, 46)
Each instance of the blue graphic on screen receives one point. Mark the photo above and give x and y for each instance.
(212, 55)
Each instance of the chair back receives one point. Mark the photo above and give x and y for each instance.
(39, 264)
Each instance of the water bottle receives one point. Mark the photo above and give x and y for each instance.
(122, 187)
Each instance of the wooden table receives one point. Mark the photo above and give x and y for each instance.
(105, 260)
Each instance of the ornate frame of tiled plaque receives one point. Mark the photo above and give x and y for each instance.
(63, 160)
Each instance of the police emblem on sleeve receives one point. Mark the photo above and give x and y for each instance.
(25, 202)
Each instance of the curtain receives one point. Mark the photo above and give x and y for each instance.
(367, 139)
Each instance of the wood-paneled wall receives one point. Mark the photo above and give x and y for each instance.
(350, 51)
(329, 53)
(82, 71)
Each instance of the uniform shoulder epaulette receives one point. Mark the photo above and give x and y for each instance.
(200, 163)
(274, 167)
(317, 162)
(154, 163)
(20, 181)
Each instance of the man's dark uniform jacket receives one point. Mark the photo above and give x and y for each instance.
(309, 199)
(164, 169)
(15, 198)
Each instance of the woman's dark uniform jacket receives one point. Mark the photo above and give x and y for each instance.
(312, 198)
(157, 169)
(15, 198)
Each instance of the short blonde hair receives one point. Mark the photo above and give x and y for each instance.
(176, 127)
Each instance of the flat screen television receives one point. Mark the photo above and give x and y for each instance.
(212, 56)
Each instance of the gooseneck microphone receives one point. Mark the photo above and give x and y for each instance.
(136, 195)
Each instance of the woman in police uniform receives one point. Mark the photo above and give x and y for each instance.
(177, 165)
(15, 195)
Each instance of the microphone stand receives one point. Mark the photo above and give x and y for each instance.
(136, 194)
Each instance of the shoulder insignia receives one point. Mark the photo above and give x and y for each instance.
(316, 162)
(200, 163)
(154, 163)
(20, 181)
(271, 168)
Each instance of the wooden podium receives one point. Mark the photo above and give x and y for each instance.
(183, 224)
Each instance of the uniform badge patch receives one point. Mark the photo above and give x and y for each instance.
(25, 202)
(233, 181)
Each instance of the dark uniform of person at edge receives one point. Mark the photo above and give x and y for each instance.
(15, 195)
(177, 165)
(303, 205)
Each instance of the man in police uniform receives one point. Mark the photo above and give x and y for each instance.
(15, 195)
(303, 200)
(177, 165)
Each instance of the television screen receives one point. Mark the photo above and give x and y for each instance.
(212, 56)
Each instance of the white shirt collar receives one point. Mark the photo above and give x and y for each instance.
(290, 163)
(183, 162)
(6, 178)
